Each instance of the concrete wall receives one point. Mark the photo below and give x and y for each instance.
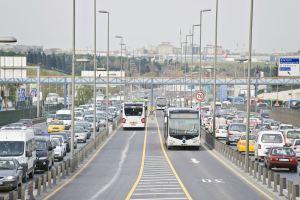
(286, 116)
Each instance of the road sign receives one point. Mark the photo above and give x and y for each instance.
(200, 96)
(22, 95)
(289, 67)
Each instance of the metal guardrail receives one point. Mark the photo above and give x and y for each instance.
(40, 185)
(274, 181)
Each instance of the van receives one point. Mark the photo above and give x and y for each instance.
(65, 116)
(266, 140)
(19, 143)
(134, 115)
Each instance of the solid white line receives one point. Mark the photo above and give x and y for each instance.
(118, 172)
(156, 193)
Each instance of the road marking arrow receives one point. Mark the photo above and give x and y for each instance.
(194, 160)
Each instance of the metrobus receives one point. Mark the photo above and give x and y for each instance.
(134, 115)
(161, 103)
(182, 127)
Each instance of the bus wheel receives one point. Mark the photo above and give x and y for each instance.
(197, 148)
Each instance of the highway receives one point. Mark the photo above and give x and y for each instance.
(134, 164)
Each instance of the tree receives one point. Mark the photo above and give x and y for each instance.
(84, 95)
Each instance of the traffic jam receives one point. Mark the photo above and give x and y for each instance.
(275, 144)
(27, 149)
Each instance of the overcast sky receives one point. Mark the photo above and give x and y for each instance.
(149, 22)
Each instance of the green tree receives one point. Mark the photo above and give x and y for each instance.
(84, 95)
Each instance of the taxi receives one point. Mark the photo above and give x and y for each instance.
(56, 126)
(241, 144)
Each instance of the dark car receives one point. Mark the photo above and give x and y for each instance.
(26, 122)
(281, 157)
(44, 153)
(11, 173)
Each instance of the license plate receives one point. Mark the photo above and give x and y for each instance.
(283, 159)
(133, 123)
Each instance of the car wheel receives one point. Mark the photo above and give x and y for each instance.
(25, 178)
(31, 174)
(294, 170)
(228, 142)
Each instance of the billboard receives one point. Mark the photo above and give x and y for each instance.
(289, 66)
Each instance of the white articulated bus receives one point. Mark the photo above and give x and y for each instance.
(182, 127)
(134, 115)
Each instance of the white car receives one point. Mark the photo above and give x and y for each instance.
(296, 147)
(290, 135)
(283, 127)
(221, 131)
(63, 142)
(266, 140)
(58, 148)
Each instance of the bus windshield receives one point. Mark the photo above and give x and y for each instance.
(184, 124)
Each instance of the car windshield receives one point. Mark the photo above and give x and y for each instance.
(11, 148)
(251, 137)
(78, 114)
(284, 127)
(56, 123)
(293, 134)
(41, 145)
(283, 151)
(89, 119)
(271, 138)
(223, 127)
(7, 165)
(297, 143)
(237, 127)
(79, 129)
(56, 142)
(63, 116)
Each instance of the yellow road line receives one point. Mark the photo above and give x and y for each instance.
(187, 194)
(237, 173)
(142, 166)
(48, 196)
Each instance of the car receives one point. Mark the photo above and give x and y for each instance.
(56, 126)
(58, 149)
(80, 134)
(86, 130)
(44, 153)
(296, 147)
(50, 118)
(235, 131)
(26, 122)
(14, 126)
(67, 139)
(241, 144)
(281, 157)
(266, 140)
(221, 131)
(11, 173)
(62, 140)
(265, 114)
(283, 127)
(290, 135)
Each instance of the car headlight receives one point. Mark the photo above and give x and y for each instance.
(42, 158)
(10, 178)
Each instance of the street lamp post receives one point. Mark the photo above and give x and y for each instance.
(185, 69)
(215, 69)
(192, 63)
(73, 81)
(121, 59)
(95, 71)
(200, 48)
(248, 87)
(107, 67)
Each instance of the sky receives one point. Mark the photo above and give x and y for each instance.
(149, 22)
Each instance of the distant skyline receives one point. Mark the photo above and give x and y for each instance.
(144, 23)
